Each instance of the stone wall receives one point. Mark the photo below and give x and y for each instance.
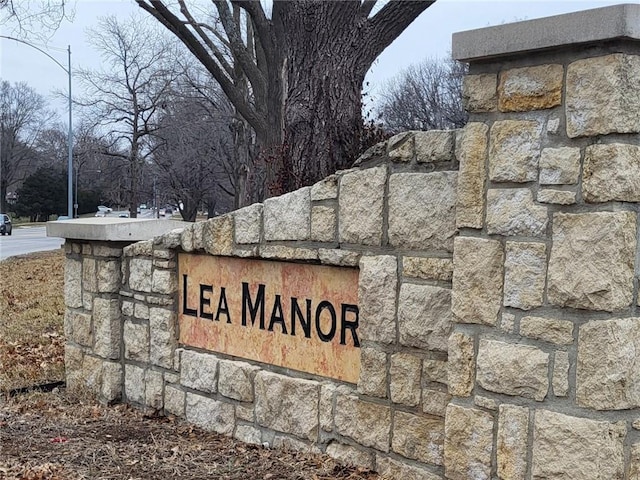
(499, 268)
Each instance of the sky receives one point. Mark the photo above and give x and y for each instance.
(429, 36)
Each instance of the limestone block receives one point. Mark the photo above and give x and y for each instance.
(477, 280)
(400, 147)
(287, 405)
(174, 400)
(551, 330)
(390, 468)
(217, 235)
(485, 402)
(248, 223)
(288, 217)
(248, 434)
(111, 382)
(162, 344)
(323, 224)
(435, 370)
(106, 322)
(461, 364)
(428, 268)
(199, 371)
(139, 249)
(134, 383)
(558, 197)
(634, 462)
(89, 275)
(530, 88)
(244, 412)
(479, 92)
(572, 448)
(471, 151)
(348, 455)
(418, 437)
(79, 328)
(434, 146)
(511, 442)
(153, 389)
(507, 322)
(513, 212)
(405, 373)
(424, 316)
(611, 172)
(468, 443)
(369, 424)
(284, 252)
(164, 281)
(514, 150)
(434, 402)
(73, 357)
(559, 166)
(560, 379)
(377, 287)
(592, 258)
(361, 204)
(171, 239)
(608, 367)
(422, 210)
(210, 414)
(108, 276)
(325, 189)
(602, 95)
(127, 308)
(373, 372)
(513, 369)
(525, 271)
(235, 380)
(73, 283)
(141, 310)
(106, 251)
(285, 442)
(340, 258)
(136, 342)
(327, 392)
(140, 274)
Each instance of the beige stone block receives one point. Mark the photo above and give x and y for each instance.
(248, 224)
(559, 166)
(611, 173)
(352, 456)
(288, 217)
(471, 151)
(134, 383)
(514, 150)
(435, 370)
(164, 282)
(369, 424)
(550, 330)
(572, 448)
(373, 372)
(89, 275)
(174, 400)
(248, 434)
(390, 468)
(79, 328)
(513, 212)
(139, 249)
(634, 462)
(602, 95)
(479, 92)
(140, 274)
(141, 311)
(217, 235)
(592, 260)
(377, 287)
(434, 146)
(162, 336)
(210, 414)
(283, 252)
(485, 402)
(245, 412)
(340, 258)
(422, 210)
(325, 414)
(461, 364)
(401, 147)
(235, 380)
(106, 323)
(199, 371)
(424, 316)
(511, 442)
(360, 206)
(153, 389)
(428, 268)
(111, 382)
(287, 405)
(513, 369)
(608, 367)
(323, 224)
(560, 379)
(507, 322)
(530, 88)
(136, 342)
(73, 283)
(325, 189)
(108, 276)
(106, 251)
(434, 402)
(468, 443)
(418, 437)
(477, 280)
(525, 271)
(558, 197)
(404, 374)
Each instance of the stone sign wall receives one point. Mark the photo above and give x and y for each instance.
(497, 284)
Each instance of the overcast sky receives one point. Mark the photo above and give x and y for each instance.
(428, 36)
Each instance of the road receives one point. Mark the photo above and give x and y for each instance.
(27, 240)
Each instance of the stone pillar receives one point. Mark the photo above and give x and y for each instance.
(544, 361)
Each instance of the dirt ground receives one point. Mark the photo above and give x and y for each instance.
(63, 435)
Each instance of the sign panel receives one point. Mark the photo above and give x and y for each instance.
(298, 316)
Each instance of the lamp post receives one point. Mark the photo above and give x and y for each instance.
(70, 133)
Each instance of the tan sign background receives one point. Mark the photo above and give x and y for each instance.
(202, 278)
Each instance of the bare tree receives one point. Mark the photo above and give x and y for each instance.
(126, 96)
(425, 96)
(304, 65)
(23, 114)
(36, 19)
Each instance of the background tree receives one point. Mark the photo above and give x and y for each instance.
(44, 193)
(304, 65)
(425, 96)
(37, 19)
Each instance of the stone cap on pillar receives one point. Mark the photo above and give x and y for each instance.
(584, 27)
(112, 229)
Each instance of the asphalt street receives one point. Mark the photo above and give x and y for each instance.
(27, 240)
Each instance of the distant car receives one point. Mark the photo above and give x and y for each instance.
(101, 214)
(123, 215)
(104, 209)
(168, 211)
(5, 224)
(143, 206)
(64, 217)
(162, 212)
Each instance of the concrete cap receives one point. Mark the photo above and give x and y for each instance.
(587, 26)
(112, 229)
